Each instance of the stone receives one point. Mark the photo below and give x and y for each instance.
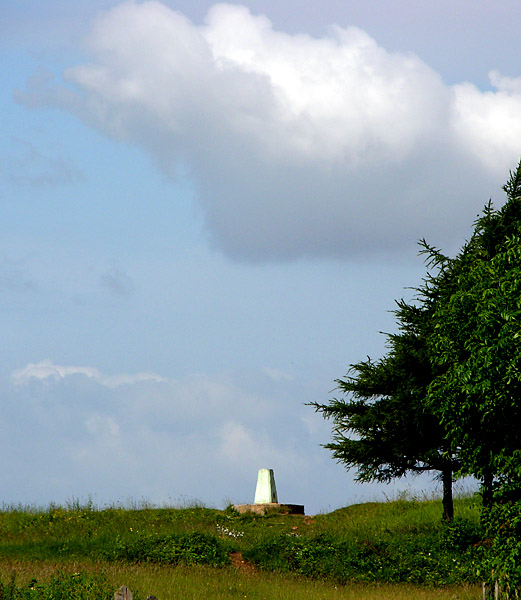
(123, 593)
(266, 492)
(270, 507)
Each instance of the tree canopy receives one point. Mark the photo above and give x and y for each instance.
(476, 393)
(475, 339)
(447, 395)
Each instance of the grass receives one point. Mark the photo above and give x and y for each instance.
(194, 583)
(373, 550)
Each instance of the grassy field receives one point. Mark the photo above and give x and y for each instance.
(195, 583)
(398, 549)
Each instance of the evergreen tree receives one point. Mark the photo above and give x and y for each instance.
(382, 426)
(447, 395)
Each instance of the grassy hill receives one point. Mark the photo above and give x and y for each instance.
(401, 543)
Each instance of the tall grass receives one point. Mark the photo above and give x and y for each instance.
(162, 550)
(195, 583)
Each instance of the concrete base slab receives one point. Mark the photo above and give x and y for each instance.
(265, 508)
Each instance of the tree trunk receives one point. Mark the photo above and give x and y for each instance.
(448, 503)
(487, 491)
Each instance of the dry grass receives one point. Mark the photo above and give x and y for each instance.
(194, 583)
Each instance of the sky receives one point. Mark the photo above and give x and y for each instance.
(207, 213)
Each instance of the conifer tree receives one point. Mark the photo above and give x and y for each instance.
(382, 425)
(447, 395)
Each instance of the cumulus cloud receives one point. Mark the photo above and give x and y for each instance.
(297, 146)
(74, 433)
(489, 123)
(47, 370)
(200, 437)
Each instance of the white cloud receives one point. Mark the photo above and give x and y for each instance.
(341, 99)
(488, 124)
(198, 437)
(298, 146)
(238, 443)
(47, 370)
(277, 374)
(163, 441)
(97, 423)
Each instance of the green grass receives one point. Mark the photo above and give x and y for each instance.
(195, 583)
(396, 549)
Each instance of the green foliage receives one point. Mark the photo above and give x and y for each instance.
(431, 558)
(188, 548)
(477, 324)
(452, 375)
(476, 340)
(69, 532)
(79, 586)
(461, 534)
(502, 555)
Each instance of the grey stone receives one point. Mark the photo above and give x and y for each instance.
(123, 593)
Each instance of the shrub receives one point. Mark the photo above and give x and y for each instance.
(461, 534)
(441, 557)
(79, 586)
(502, 556)
(189, 548)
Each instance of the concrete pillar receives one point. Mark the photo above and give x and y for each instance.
(266, 491)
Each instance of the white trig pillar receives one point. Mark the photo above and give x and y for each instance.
(266, 492)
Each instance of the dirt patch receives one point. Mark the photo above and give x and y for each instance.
(239, 563)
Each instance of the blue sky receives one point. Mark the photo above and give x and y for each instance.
(207, 213)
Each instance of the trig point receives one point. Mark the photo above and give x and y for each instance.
(266, 492)
(266, 497)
